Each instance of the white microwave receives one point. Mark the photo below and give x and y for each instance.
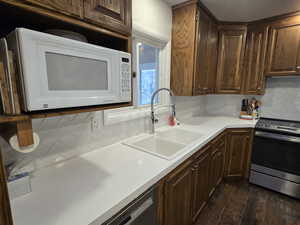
(57, 72)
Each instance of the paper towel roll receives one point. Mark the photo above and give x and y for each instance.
(13, 141)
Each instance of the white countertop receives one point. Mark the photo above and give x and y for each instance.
(95, 186)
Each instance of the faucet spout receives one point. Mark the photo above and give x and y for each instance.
(172, 105)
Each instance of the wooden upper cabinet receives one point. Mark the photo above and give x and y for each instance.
(238, 147)
(194, 50)
(202, 61)
(70, 7)
(284, 48)
(230, 59)
(183, 49)
(112, 14)
(256, 46)
(206, 60)
(178, 199)
(213, 57)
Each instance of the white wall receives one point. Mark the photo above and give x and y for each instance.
(155, 16)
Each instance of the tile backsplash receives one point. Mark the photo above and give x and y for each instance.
(68, 136)
(281, 100)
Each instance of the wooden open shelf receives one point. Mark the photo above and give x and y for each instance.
(13, 119)
(23, 123)
(58, 112)
(68, 111)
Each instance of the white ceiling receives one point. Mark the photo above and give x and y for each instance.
(247, 10)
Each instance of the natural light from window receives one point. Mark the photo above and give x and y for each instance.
(148, 72)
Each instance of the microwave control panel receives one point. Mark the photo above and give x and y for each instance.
(126, 78)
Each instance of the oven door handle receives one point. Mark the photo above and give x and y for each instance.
(277, 136)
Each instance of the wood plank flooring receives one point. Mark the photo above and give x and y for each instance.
(240, 203)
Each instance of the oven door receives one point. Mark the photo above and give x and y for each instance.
(59, 72)
(277, 151)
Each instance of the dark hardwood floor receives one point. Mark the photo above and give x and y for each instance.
(240, 203)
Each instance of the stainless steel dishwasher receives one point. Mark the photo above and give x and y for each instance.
(140, 212)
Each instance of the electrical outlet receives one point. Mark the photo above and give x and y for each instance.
(95, 123)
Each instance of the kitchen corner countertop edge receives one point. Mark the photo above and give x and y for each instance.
(91, 188)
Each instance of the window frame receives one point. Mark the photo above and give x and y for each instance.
(136, 79)
(114, 116)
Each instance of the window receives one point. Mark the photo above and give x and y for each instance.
(148, 58)
(151, 55)
(147, 72)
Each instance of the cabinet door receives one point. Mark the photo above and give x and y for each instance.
(212, 43)
(112, 14)
(73, 7)
(217, 166)
(238, 147)
(200, 191)
(183, 49)
(284, 48)
(256, 47)
(178, 188)
(230, 60)
(202, 60)
(5, 212)
(207, 55)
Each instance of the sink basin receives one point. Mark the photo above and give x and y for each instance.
(157, 146)
(165, 144)
(179, 135)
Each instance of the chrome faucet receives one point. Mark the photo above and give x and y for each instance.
(154, 119)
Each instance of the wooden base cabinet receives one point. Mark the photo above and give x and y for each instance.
(217, 163)
(238, 153)
(188, 188)
(5, 212)
(200, 187)
(178, 196)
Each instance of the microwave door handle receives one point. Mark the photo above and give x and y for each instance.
(277, 137)
(6, 64)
